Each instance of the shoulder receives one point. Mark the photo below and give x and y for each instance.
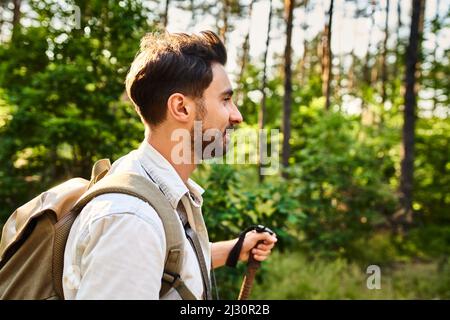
(117, 203)
(110, 210)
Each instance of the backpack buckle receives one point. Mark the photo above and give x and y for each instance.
(173, 279)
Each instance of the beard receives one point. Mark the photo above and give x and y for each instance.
(208, 143)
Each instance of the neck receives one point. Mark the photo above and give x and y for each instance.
(164, 145)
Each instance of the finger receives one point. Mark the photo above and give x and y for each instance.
(265, 246)
(269, 246)
(261, 252)
(259, 258)
(270, 240)
(266, 237)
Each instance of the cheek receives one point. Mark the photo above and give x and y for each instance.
(218, 115)
(225, 118)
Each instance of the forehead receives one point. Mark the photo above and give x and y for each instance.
(220, 82)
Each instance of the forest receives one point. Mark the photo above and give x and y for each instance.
(358, 89)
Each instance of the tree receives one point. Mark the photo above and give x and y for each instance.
(435, 29)
(399, 20)
(16, 17)
(367, 70)
(412, 60)
(262, 111)
(304, 25)
(165, 16)
(399, 23)
(399, 50)
(245, 53)
(287, 101)
(327, 57)
(65, 85)
(384, 72)
(225, 13)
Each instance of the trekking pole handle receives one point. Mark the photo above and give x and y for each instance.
(252, 263)
(252, 266)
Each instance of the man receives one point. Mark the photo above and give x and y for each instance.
(116, 247)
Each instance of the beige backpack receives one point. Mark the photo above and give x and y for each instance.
(34, 237)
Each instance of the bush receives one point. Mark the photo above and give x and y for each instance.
(380, 248)
(432, 171)
(431, 240)
(228, 209)
(338, 176)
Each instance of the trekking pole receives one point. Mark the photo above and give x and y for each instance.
(252, 266)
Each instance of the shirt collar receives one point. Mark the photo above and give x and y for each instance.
(165, 175)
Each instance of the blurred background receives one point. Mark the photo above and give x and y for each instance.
(358, 89)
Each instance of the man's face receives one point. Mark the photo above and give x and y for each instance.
(220, 112)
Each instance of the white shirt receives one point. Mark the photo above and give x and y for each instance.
(116, 247)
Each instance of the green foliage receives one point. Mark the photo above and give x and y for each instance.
(379, 248)
(250, 106)
(293, 276)
(228, 209)
(68, 87)
(430, 241)
(432, 171)
(63, 106)
(337, 177)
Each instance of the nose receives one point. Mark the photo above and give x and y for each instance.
(235, 116)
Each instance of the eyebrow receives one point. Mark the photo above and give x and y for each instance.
(227, 92)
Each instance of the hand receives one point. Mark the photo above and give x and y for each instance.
(262, 251)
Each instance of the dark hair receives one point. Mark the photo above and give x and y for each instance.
(169, 63)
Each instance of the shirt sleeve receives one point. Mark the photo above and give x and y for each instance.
(123, 259)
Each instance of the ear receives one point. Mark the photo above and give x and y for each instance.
(179, 107)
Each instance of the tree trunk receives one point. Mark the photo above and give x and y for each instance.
(223, 30)
(287, 101)
(165, 17)
(192, 8)
(421, 26)
(351, 72)
(384, 74)
(399, 19)
(262, 112)
(436, 44)
(398, 59)
(366, 113)
(302, 68)
(412, 60)
(367, 69)
(245, 53)
(16, 18)
(1, 18)
(327, 58)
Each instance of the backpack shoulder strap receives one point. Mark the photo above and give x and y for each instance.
(140, 187)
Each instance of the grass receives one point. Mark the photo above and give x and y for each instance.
(293, 276)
